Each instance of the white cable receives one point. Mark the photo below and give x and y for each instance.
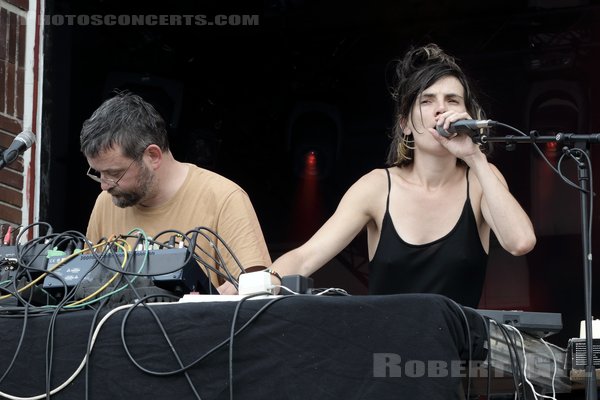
(535, 394)
(561, 349)
(81, 366)
(555, 367)
(337, 290)
(286, 289)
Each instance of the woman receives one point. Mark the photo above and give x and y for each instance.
(429, 215)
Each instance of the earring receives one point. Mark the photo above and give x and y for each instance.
(405, 150)
(407, 143)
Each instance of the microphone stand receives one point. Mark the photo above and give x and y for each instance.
(583, 175)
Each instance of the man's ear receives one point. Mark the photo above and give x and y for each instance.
(154, 155)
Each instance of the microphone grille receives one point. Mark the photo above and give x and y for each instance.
(26, 137)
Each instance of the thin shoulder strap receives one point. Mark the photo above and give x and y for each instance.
(468, 168)
(387, 205)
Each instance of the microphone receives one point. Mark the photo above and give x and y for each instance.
(466, 126)
(22, 142)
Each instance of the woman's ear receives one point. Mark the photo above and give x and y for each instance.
(404, 126)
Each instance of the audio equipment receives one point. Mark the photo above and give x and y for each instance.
(171, 269)
(537, 324)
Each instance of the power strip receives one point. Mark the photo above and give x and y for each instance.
(254, 283)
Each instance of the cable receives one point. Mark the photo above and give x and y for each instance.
(26, 228)
(165, 335)
(19, 344)
(88, 347)
(209, 352)
(216, 248)
(111, 280)
(81, 365)
(467, 332)
(232, 332)
(338, 291)
(54, 267)
(285, 289)
(219, 261)
(555, 367)
(540, 152)
(535, 393)
(515, 365)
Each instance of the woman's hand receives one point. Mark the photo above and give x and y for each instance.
(460, 145)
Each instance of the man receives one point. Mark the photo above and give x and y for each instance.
(126, 145)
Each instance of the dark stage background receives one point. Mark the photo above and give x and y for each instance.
(249, 101)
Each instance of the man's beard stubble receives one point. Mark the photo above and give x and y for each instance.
(129, 198)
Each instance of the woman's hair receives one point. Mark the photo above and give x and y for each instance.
(125, 120)
(420, 68)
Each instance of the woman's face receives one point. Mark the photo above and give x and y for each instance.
(446, 94)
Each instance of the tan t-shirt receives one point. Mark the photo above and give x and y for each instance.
(205, 199)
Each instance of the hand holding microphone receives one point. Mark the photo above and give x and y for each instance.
(469, 127)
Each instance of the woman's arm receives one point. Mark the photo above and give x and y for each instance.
(352, 214)
(500, 209)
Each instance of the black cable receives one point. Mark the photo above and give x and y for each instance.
(26, 228)
(489, 356)
(165, 335)
(224, 243)
(524, 374)
(467, 333)
(19, 344)
(100, 259)
(219, 261)
(71, 294)
(516, 362)
(541, 153)
(587, 257)
(88, 348)
(232, 331)
(21, 252)
(172, 231)
(194, 245)
(209, 352)
(209, 268)
(50, 337)
(229, 250)
(50, 344)
(142, 301)
(26, 270)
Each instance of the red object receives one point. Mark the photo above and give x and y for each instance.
(7, 237)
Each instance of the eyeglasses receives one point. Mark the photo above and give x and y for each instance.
(95, 175)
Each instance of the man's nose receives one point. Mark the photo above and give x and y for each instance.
(105, 185)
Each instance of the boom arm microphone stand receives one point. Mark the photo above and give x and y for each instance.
(585, 184)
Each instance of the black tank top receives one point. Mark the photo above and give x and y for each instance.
(453, 266)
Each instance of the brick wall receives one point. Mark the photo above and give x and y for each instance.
(12, 73)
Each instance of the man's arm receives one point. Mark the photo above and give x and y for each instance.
(238, 225)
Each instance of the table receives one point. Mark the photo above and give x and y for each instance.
(297, 347)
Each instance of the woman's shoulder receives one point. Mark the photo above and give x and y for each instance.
(371, 183)
(377, 175)
(373, 179)
(368, 192)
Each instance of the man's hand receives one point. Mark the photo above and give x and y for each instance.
(227, 288)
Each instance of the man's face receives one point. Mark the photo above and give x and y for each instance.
(134, 193)
(128, 181)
